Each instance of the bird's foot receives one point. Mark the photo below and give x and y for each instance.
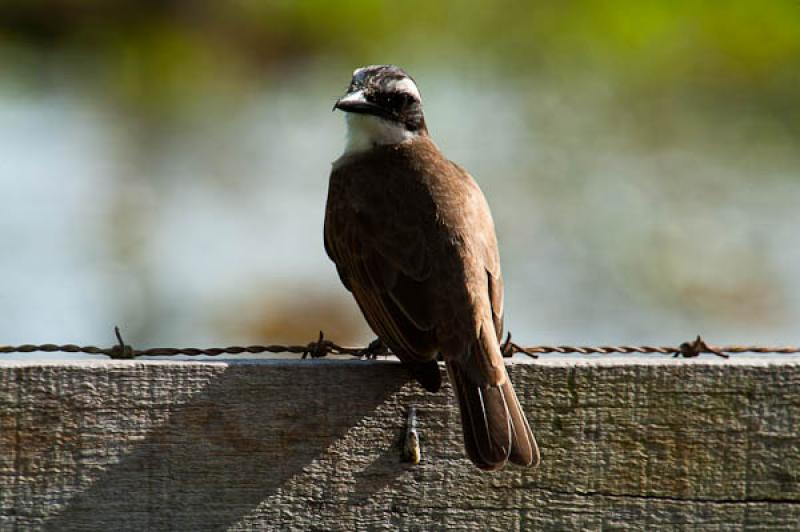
(375, 349)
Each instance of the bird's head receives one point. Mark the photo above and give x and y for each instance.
(383, 106)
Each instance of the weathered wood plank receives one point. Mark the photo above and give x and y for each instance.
(157, 445)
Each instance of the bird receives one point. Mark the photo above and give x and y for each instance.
(413, 240)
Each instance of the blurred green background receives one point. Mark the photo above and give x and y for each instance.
(163, 165)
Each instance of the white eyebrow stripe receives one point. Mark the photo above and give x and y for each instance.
(407, 86)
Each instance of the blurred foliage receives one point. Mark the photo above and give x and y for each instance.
(152, 53)
(293, 314)
(676, 122)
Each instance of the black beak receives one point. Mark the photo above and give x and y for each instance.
(355, 102)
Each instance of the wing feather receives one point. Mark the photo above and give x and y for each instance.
(381, 256)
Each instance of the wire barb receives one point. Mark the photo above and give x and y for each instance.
(121, 350)
(693, 349)
(317, 349)
(323, 347)
(508, 348)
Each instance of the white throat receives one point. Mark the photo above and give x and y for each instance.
(367, 131)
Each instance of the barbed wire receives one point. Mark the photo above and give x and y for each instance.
(322, 347)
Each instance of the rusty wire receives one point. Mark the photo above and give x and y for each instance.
(322, 347)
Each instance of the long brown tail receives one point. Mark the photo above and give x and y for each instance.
(495, 428)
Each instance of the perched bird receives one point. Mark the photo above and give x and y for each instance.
(412, 238)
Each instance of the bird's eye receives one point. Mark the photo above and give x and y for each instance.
(395, 101)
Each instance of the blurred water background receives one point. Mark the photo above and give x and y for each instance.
(163, 166)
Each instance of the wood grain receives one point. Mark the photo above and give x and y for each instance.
(316, 445)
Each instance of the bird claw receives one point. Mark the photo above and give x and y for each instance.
(375, 349)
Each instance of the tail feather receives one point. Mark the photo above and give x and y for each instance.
(524, 450)
(494, 425)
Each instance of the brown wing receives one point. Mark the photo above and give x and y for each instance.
(380, 251)
(479, 228)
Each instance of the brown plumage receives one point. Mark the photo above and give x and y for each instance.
(413, 239)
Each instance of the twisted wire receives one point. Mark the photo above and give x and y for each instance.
(322, 347)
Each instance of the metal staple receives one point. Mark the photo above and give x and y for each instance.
(323, 347)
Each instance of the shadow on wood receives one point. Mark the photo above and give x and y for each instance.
(227, 448)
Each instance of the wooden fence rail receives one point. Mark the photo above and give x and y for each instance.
(640, 444)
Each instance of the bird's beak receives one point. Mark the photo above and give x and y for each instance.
(356, 102)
